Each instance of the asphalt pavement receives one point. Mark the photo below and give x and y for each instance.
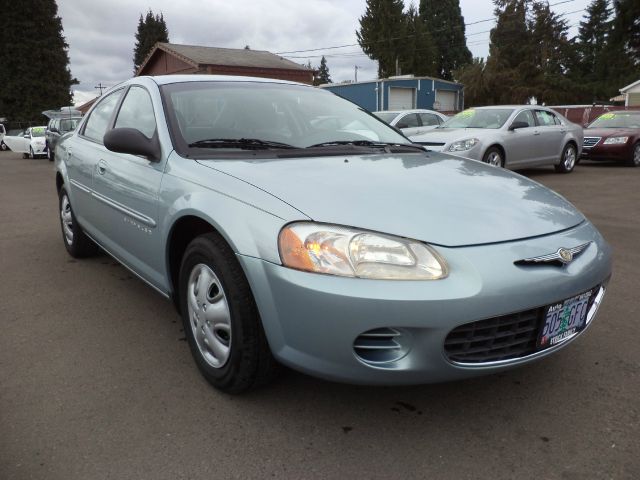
(97, 382)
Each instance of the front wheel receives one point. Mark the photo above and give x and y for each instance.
(50, 154)
(75, 241)
(493, 156)
(634, 161)
(567, 160)
(220, 317)
(3, 147)
(31, 154)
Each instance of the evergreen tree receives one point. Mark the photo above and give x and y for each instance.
(151, 29)
(382, 34)
(554, 57)
(323, 73)
(35, 73)
(420, 56)
(627, 28)
(445, 23)
(476, 83)
(593, 48)
(509, 68)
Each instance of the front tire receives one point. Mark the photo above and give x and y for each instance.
(50, 154)
(568, 159)
(3, 147)
(493, 156)
(75, 241)
(634, 161)
(220, 318)
(31, 154)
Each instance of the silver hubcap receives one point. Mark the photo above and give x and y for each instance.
(569, 158)
(67, 220)
(636, 155)
(209, 315)
(494, 159)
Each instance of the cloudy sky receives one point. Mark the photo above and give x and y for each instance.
(101, 35)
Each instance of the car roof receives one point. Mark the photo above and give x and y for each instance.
(415, 110)
(168, 79)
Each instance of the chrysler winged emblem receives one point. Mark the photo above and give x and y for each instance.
(563, 256)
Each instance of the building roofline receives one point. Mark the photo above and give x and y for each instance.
(629, 87)
(389, 79)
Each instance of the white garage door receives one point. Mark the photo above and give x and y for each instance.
(401, 98)
(447, 100)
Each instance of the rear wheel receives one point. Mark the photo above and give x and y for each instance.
(220, 318)
(50, 155)
(3, 146)
(493, 156)
(568, 159)
(75, 241)
(634, 161)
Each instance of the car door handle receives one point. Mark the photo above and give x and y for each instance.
(102, 167)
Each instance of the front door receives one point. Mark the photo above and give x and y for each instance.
(126, 189)
(521, 144)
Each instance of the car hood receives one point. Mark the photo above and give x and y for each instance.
(448, 135)
(435, 198)
(610, 132)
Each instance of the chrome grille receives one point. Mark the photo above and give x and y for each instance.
(590, 141)
(380, 345)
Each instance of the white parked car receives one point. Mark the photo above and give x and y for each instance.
(31, 143)
(3, 132)
(412, 122)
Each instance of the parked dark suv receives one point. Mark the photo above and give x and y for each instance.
(55, 129)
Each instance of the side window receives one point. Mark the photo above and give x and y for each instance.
(545, 119)
(408, 121)
(429, 120)
(525, 116)
(137, 112)
(98, 121)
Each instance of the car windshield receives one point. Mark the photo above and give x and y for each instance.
(68, 124)
(386, 116)
(295, 115)
(479, 118)
(37, 131)
(617, 120)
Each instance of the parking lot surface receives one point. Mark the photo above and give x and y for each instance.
(97, 382)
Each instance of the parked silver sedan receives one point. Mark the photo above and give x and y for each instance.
(412, 122)
(336, 248)
(509, 136)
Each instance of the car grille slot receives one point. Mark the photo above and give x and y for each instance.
(431, 144)
(590, 141)
(380, 345)
(495, 339)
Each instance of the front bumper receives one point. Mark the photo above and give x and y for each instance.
(311, 320)
(607, 152)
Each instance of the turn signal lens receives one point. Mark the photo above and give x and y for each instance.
(347, 252)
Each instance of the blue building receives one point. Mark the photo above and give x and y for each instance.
(403, 93)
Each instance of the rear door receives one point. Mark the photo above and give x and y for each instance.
(409, 124)
(551, 136)
(126, 193)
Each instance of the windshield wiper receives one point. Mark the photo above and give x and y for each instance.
(243, 143)
(365, 143)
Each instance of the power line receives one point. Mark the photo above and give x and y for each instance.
(408, 36)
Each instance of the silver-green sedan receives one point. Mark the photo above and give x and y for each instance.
(336, 248)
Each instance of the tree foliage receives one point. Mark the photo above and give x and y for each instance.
(34, 72)
(420, 55)
(445, 23)
(323, 73)
(151, 29)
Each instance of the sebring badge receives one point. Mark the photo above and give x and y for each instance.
(562, 256)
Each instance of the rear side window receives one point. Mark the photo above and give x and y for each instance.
(137, 112)
(98, 121)
(546, 119)
(429, 120)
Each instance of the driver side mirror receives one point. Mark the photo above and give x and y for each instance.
(133, 142)
(517, 125)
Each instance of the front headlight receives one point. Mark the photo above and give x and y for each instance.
(348, 252)
(462, 145)
(616, 140)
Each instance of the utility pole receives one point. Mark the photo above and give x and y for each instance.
(356, 67)
(101, 87)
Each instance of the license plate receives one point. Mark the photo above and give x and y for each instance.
(564, 319)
